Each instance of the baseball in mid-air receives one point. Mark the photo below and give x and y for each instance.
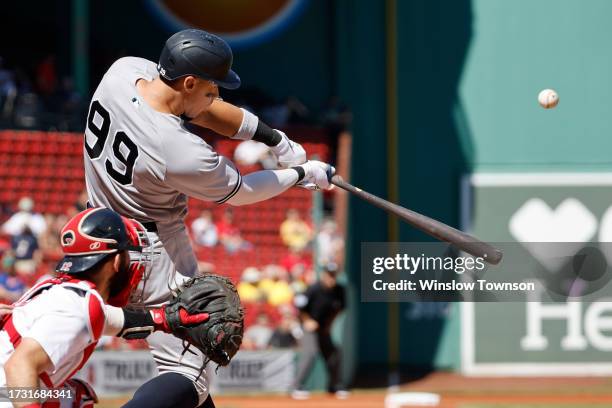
(548, 98)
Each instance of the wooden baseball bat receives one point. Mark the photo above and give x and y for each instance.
(434, 228)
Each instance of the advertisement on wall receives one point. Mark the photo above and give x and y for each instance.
(122, 372)
(543, 335)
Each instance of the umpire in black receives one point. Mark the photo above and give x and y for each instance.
(319, 306)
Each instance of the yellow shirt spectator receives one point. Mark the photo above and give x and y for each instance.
(294, 231)
(248, 288)
(278, 292)
(275, 285)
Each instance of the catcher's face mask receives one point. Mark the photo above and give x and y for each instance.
(138, 268)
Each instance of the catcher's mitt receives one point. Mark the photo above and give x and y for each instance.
(220, 336)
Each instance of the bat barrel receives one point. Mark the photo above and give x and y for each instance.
(435, 228)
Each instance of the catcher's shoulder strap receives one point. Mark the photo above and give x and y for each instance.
(78, 286)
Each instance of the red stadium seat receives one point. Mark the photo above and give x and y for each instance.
(49, 167)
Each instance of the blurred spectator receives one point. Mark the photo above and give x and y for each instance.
(319, 307)
(70, 106)
(8, 91)
(336, 116)
(250, 152)
(70, 98)
(204, 230)
(27, 111)
(25, 217)
(257, 336)
(299, 283)
(11, 285)
(229, 234)
(298, 112)
(49, 240)
(49, 105)
(279, 114)
(248, 288)
(330, 244)
(287, 332)
(275, 114)
(298, 263)
(46, 75)
(79, 205)
(24, 248)
(6, 210)
(205, 268)
(294, 231)
(275, 286)
(5, 243)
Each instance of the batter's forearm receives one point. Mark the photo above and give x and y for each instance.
(237, 123)
(262, 185)
(221, 117)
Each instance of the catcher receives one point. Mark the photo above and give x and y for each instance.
(55, 326)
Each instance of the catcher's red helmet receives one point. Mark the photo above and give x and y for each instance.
(96, 233)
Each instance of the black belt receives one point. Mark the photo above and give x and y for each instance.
(150, 226)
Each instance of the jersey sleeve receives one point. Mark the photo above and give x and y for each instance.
(62, 331)
(195, 169)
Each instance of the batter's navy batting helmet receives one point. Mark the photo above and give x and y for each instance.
(198, 53)
(92, 235)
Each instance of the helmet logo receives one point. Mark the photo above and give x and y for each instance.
(65, 267)
(94, 245)
(68, 238)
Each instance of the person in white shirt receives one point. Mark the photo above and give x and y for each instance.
(25, 217)
(204, 230)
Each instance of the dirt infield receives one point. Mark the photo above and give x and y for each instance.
(455, 391)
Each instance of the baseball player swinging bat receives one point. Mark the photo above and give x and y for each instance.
(436, 229)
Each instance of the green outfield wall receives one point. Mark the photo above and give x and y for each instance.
(468, 75)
